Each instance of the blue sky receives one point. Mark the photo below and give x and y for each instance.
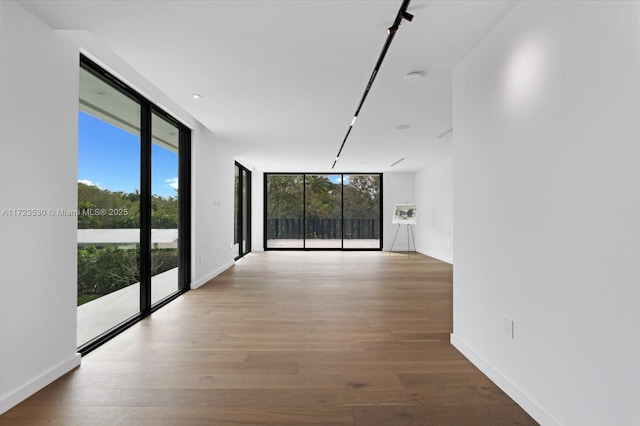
(336, 178)
(109, 158)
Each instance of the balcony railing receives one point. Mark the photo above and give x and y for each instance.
(358, 229)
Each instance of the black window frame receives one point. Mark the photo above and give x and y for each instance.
(304, 180)
(147, 109)
(243, 249)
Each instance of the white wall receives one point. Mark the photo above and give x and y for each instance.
(257, 210)
(38, 168)
(547, 209)
(434, 200)
(212, 207)
(397, 188)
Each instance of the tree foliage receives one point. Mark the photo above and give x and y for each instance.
(285, 196)
(323, 198)
(105, 270)
(164, 210)
(362, 197)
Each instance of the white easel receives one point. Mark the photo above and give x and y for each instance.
(409, 234)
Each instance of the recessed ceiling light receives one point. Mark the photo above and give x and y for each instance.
(402, 126)
(196, 96)
(414, 76)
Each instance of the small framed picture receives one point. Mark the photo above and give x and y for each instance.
(404, 214)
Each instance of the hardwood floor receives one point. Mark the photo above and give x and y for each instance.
(287, 338)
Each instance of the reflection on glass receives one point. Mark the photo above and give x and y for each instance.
(323, 211)
(285, 211)
(108, 208)
(361, 211)
(164, 209)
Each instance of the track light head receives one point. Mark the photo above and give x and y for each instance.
(406, 15)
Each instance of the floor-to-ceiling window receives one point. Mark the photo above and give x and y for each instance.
(284, 211)
(362, 196)
(108, 207)
(242, 211)
(133, 203)
(323, 211)
(165, 234)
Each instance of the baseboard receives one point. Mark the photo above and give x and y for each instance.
(436, 256)
(206, 278)
(531, 407)
(14, 398)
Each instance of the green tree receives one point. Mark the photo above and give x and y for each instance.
(323, 198)
(362, 197)
(285, 196)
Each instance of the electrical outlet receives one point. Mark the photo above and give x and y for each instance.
(508, 328)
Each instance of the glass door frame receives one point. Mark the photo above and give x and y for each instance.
(304, 214)
(147, 109)
(240, 223)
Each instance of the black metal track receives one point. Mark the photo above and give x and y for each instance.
(402, 14)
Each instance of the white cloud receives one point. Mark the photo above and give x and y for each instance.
(173, 183)
(90, 183)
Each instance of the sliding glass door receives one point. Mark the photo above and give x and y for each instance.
(242, 212)
(284, 211)
(132, 214)
(361, 211)
(108, 207)
(323, 211)
(164, 208)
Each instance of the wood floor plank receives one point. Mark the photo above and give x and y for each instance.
(287, 338)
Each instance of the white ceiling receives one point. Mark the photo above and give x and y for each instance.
(281, 80)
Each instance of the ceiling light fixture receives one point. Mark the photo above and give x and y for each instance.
(402, 159)
(445, 133)
(391, 32)
(196, 96)
(413, 76)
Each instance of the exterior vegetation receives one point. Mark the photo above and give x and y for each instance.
(102, 270)
(317, 204)
(164, 210)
